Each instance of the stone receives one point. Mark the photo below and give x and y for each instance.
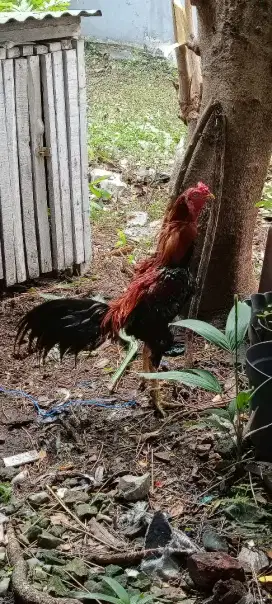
(73, 497)
(6, 474)
(85, 510)
(33, 562)
(134, 488)
(137, 219)
(214, 542)
(48, 541)
(113, 570)
(33, 533)
(50, 557)
(94, 586)
(57, 530)
(4, 585)
(253, 560)
(112, 182)
(38, 499)
(43, 523)
(77, 568)
(39, 574)
(205, 568)
(3, 557)
(56, 587)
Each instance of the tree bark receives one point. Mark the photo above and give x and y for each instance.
(235, 40)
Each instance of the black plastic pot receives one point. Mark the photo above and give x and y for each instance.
(259, 330)
(259, 370)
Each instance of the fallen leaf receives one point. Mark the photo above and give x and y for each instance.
(266, 579)
(163, 456)
(158, 484)
(101, 364)
(143, 463)
(177, 510)
(60, 519)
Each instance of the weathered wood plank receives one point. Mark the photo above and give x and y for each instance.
(38, 166)
(3, 52)
(1, 265)
(73, 131)
(8, 76)
(54, 46)
(27, 50)
(60, 110)
(83, 147)
(66, 44)
(13, 52)
(23, 137)
(40, 49)
(47, 29)
(52, 163)
(6, 195)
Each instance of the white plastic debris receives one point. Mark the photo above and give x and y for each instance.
(21, 458)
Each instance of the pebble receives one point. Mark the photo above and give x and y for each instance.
(214, 542)
(38, 499)
(33, 533)
(4, 585)
(48, 541)
(85, 510)
(72, 497)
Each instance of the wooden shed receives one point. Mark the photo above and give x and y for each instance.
(44, 199)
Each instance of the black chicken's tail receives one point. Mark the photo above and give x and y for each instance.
(73, 324)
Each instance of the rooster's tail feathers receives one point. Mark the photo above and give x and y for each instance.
(73, 324)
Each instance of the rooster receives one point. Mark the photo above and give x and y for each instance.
(160, 288)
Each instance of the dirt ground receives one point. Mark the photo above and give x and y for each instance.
(179, 450)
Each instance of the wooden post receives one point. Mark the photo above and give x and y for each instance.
(266, 276)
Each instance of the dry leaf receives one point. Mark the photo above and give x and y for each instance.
(177, 510)
(163, 456)
(60, 519)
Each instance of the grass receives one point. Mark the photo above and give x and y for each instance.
(133, 110)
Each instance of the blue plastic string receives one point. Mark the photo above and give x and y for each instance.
(60, 408)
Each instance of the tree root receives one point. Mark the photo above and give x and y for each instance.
(134, 557)
(23, 590)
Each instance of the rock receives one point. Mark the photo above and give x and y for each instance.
(57, 530)
(3, 557)
(33, 533)
(203, 451)
(56, 587)
(214, 542)
(145, 175)
(4, 585)
(39, 574)
(73, 497)
(85, 510)
(226, 448)
(33, 562)
(50, 557)
(20, 478)
(135, 233)
(94, 586)
(112, 182)
(48, 541)
(227, 592)
(252, 560)
(112, 570)
(134, 488)
(137, 219)
(205, 569)
(38, 499)
(43, 523)
(77, 568)
(6, 474)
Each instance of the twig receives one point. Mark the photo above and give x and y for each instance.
(252, 489)
(78, 521)
(152, 471)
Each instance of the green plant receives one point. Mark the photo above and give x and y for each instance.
(5, 492)
(122, 239)
(266, 201)
(33, 5)
(97, 191)
(235, 330)
(121, 595)
(195, 378)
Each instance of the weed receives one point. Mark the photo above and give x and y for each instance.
(5, 492)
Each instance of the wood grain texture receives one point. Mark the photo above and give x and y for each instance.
(11, 126)
(27, 199)
(74, 151)
(38, 164)
(83, 148)
(60, 110)
(52, 163)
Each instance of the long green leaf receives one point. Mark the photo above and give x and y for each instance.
(207, 331)
(117, 589)
(84, 595)
(244, 313)
(198, 378)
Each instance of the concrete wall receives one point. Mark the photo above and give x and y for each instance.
(129, 21)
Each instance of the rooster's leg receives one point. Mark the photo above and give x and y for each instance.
(155, 391)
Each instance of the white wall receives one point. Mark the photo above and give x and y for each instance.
(129, 21)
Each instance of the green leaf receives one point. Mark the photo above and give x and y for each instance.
(117, 589)
(232, 409)
(217, 411)
(242, 399)
(244, 314)
(198, 378)
(207, 331)
(84, 595)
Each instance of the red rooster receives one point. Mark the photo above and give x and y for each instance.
(161, 286)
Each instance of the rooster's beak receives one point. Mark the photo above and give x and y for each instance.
(211, 196)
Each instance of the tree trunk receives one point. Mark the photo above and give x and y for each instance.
(235, 40)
